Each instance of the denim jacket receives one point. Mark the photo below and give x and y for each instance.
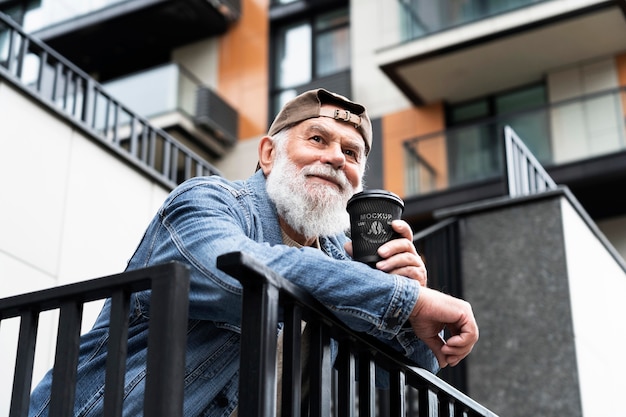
(200, 220)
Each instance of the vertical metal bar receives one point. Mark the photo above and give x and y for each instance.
(116, 118)
(168, 322)
(320, 368)
(423, 401)
(174, 164)
(89, 95)
(58, 68)
(67, 76)
(346, 364)
(76, 87)
(367, 383)
(145, 145)
(257, 375)
(292, 367)
(116, 354)
(133, 146)
(397, 399)
(22, 57)
(23, 376)
(188, 162)
(66, 359)
(510, 173)
(167, 154)
(151, 147)
(444, 405)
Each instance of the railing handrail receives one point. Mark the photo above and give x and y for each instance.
(263, 291)
(169, 285)
(87, 91)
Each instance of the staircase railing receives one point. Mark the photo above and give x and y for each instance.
(48, 76)
(168, 321)
(411, 389)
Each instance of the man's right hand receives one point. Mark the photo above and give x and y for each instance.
(435, 311)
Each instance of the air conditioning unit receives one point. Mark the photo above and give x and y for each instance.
(215, 116)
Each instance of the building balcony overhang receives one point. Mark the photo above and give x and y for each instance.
(504, 51)
(132, 35)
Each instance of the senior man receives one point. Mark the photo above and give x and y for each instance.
(291, 215)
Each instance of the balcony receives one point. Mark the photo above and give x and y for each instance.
(475, 49)
(58, 84)
(580, 141)
(125, 36)
(182, 106)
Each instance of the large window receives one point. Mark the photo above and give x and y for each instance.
(474, 136)
(308, 50)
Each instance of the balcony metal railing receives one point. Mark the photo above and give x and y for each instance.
(420, 18)
(411, 390)
(558, 133)
(57, 82)
(524, 173)
(168, 321)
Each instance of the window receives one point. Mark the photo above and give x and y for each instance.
(474, 136)
(309, 51)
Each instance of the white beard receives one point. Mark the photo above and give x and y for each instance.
(312, 210)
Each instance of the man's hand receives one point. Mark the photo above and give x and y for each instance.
(435, 311)
(399, 255)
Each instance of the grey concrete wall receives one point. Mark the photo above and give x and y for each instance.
(515, 275)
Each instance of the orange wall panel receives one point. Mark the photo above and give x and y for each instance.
(401, 126)
(244, 65)
(620, 61)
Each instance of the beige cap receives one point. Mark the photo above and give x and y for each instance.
(309, 105)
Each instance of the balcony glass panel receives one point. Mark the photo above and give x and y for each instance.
(556, 134)
(420, 18)
(155, 92)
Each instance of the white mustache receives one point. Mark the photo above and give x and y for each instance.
(328, 172)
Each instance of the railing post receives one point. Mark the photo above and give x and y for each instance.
(20, 396)
(259, 321)
(63, 389)
(164, 396)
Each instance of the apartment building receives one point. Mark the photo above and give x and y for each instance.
(441, 79)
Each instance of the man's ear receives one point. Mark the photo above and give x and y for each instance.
(266, 154)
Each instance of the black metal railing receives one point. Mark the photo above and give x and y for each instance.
(168, 321)
(439, 248)
(48, 76)
(410, 389)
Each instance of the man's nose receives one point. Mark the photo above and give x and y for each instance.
(333, 155)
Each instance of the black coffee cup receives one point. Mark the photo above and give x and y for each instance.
(371, 213)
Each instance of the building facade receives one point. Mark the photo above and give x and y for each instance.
(440, 81)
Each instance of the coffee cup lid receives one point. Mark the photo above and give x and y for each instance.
(384, 194)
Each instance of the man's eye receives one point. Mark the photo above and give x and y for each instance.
(352, 154)
(316, 138)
